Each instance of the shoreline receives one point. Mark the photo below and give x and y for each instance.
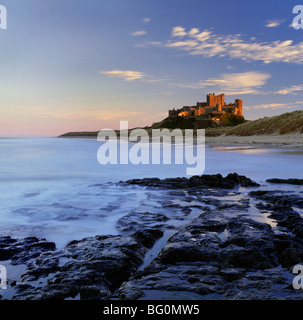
(265, 141)
(259, 141)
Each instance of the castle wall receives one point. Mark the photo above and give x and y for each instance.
(213, 100)
(214, 104)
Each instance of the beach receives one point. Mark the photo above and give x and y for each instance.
(275, 140)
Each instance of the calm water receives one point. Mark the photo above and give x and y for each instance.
(55, 188)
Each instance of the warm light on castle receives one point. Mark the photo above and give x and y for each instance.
(214, 106)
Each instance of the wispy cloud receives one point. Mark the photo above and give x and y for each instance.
(148, 44)
(146, 20)
(126, 75)
(269, 106)
(290, 90)
(273, 106)
(232, 83)
(133, 75)
(208, 44)
(178, 32)
(167, 93)
(273, 23)
(138, 33)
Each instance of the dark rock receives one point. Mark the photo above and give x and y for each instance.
(148, 236)
(204, 181)
(23, 250)
(221, 253)
(298, 182)
(95, 267)
(231, 273)
(136, 221)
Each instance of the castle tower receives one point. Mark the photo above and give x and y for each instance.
(239, 106)
(213, 100)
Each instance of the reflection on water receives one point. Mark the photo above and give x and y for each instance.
(243, 149)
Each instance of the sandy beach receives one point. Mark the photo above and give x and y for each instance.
(278, 140)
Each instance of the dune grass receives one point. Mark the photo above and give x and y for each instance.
(286, 123)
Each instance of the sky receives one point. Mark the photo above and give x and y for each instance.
(71, 65)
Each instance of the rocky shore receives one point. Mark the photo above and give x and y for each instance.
(225, 238)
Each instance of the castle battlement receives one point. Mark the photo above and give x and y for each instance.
(214, 105)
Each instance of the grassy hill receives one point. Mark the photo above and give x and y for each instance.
(286, 123)
(183, 123)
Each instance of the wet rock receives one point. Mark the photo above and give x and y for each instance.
(281, 209)
(298, 182)
(278, 198)
(208, 256)
(93, 268)
(22, 250)
(135, 221)
(204, 181)
(147, 237)
(220, 254)
(231, 274)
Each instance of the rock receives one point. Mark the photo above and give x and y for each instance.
(22, 250)
(278, 198)
(204, 181)
(298, 182)
(95, 267)
(221, 254)
(231, 273)
(129, 292)
(282, 211)
(147, 237)
(198, 259)
(136, 221)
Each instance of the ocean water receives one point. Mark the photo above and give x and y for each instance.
(56, 189)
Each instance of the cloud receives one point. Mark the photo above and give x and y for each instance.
(178, 32)
(148, 44)
(146, 20)
(233, 83)
(273, 106)
(138, 33)
(133, 75)
(290, 90)
(273, 23)
(270, 106)
(167, 93)
(126, 75)
(209, 44)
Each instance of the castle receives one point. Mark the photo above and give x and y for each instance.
(214, 107)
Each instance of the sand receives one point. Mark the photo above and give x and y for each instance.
(287, 140)
(273, 140)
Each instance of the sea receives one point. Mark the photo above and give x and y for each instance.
(55, 188)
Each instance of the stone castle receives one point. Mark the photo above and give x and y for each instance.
(214, 107)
